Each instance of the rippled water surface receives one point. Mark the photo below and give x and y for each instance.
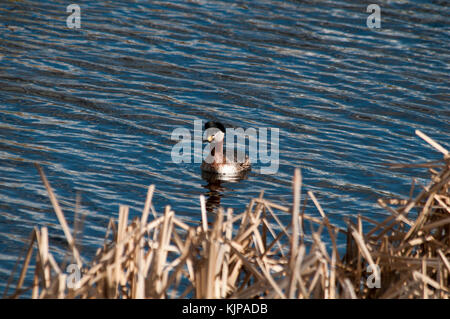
(96, 106)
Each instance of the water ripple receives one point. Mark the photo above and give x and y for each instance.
(96, 106)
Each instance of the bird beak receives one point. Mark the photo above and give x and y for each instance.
(210, 138)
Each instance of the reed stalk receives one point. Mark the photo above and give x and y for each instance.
(255, 255)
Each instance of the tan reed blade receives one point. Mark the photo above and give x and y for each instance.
(262, 252)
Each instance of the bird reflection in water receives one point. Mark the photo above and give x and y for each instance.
(217, 187)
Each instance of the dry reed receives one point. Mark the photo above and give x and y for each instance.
(253, 255)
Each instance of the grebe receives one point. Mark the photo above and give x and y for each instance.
(220, 164)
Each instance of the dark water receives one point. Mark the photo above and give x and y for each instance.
(96, 106)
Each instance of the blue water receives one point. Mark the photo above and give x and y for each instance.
(96, 106)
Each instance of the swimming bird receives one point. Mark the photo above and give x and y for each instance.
(218, 163)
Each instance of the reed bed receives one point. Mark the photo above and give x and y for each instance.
(254, 255)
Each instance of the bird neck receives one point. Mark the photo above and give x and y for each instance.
(218, 152)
